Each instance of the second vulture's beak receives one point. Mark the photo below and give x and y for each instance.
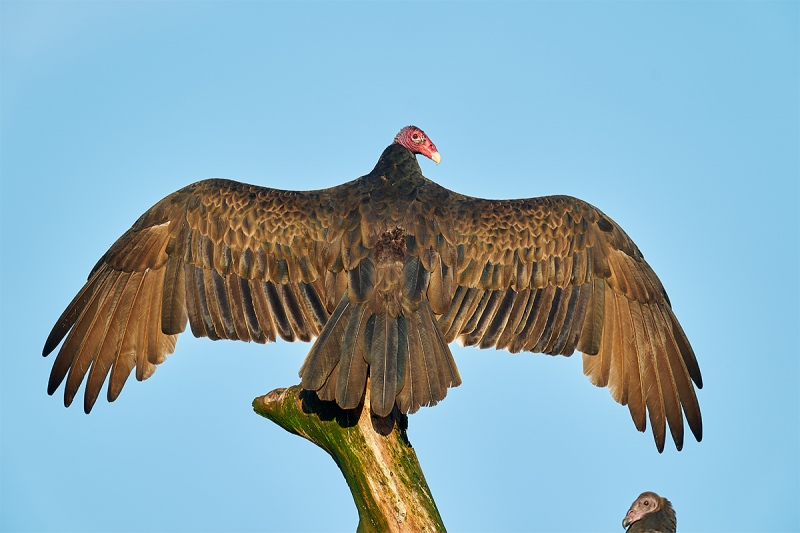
(435, 157)
(627, 520)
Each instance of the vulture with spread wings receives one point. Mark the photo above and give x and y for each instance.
(383, 271)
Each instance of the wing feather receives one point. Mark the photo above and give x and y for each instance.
(159, 345)
(73, 311)
(553, 275)
(174, 313)
(297, 320)
(669, 391)
(130, 344)
(95, 333)
(127, 289)
(236, 301)
(228, 258)
(83, 322)
(211, 292)
(281, 319)
(592, 329)
(483, 316)
(541, 315)
(633, 385)
(477, 312)
(205, 325)
(559, 327)
(466, 308)
(537, 313)
(573, 321)
(651, 385)
(314, 310)
(250, 316)
(556, 321)
(515, 317)
(261, 309)
(500, 318)
(682, 378)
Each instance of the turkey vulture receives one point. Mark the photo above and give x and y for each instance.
(384, 271)
(650, 513)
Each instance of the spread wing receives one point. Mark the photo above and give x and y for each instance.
(553, 275)
(384, 257)
(236, 261)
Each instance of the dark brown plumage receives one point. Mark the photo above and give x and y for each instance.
(384, 271)
(650, 513)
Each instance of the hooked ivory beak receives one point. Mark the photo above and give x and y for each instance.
(435, 157)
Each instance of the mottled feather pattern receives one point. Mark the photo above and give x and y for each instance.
(383, 271)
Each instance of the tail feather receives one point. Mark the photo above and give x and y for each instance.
(382, 357)
(326, 351)
(415, 280)
(430, 367)
(422, 385)
(402, 353)
(351, 377)
(408, 361)
(443, 357)
(328, 391)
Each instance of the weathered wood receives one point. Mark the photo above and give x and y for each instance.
(373, 453)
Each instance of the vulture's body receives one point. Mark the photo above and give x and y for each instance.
(384, 271)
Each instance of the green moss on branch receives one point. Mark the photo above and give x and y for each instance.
(374, 455)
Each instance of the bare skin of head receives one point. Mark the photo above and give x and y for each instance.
(418, 142)
(646, 503)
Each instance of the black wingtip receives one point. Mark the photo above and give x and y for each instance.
(87, 407)
(52, 385)
(53, 340)
(697, 430)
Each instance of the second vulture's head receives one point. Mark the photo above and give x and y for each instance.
(415, 140)
(650, 505)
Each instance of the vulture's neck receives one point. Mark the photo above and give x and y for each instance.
(396, 160)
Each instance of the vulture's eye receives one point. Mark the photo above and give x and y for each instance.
(646, 502)
(417, 138)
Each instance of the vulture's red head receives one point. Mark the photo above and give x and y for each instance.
(652, 509)
(415, 140)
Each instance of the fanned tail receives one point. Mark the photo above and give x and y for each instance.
(397, 345)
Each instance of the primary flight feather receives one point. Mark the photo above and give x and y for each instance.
(384, 271)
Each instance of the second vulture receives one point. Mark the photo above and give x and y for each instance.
(384, 271)
(650, 513)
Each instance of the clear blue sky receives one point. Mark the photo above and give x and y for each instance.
(679, 120)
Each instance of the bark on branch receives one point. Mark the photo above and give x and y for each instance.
(373, 453)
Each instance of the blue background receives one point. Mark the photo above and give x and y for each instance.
(679, 120)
